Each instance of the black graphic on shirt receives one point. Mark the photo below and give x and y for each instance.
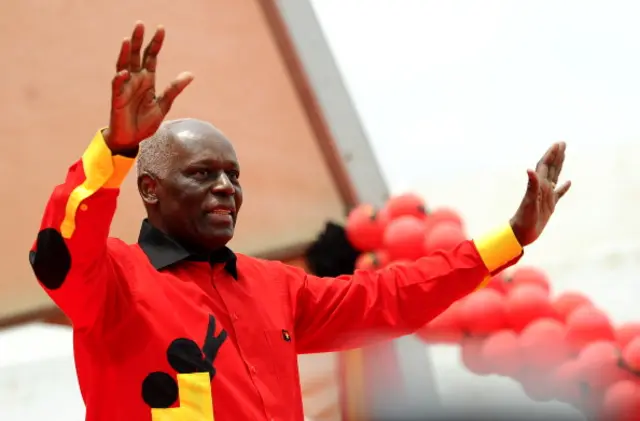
(159, 389)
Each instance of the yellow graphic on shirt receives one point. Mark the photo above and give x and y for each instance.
(195, 400)
(190, 398)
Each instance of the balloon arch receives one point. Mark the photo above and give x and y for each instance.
(558, 347)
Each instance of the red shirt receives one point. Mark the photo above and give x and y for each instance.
(161, 334)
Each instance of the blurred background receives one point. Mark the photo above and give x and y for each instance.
(330, 104)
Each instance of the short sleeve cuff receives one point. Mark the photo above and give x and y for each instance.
(498, 248)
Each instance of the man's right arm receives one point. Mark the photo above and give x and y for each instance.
(70, 257)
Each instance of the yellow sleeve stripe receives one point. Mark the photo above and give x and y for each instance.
(101, 169)
(497, 249)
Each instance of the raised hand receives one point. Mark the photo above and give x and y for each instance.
(541, 196)
(136, 110)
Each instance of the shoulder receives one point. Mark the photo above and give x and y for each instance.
(273, 269)
(249, 262)
(118, 247)
(126, 255)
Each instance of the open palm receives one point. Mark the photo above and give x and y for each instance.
(542, 195)
(136, 111)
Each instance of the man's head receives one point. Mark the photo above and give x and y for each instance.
(188, 179)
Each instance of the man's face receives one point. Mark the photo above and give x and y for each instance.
(199, 199)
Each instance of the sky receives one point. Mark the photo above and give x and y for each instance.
(448, 88)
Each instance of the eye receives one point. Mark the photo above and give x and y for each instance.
(233, 174)
(200, 174)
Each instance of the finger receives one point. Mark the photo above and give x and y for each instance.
(150, 56)
(124, 59)
(563, 189)
(542, 168)
(117, 85)
(558, 162)
(137, 37)
(551, 169)
(533, 186)
(173, 90)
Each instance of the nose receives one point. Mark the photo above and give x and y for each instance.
(223, 185)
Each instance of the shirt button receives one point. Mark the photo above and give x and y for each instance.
(252, 369)
(235, 316)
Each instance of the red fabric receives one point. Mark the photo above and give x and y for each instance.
(125, 315)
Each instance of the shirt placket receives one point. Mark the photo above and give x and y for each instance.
(248, 330)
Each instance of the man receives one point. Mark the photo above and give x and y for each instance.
(177, 326)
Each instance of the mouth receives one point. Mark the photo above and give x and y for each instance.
(221, 215)
(221, 212)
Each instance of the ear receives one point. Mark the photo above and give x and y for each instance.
(147, 186)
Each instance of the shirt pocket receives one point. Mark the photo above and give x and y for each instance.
(284, 358)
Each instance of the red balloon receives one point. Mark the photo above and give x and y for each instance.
(567, 302)
(401, 262)
(566, 380)
(483, 312)
(408, 204)
(631, 355)
(365, 261)
(445, 236)
(526, 275)
(626, 333)
(445, 328)
(383, 216)
(498, 283)
(382, 258)
(404, 238)
(536, 385)
(543, 344)
(372, 260)
(471, 355)
(527, 303)
(445, 215)
(364, 230)
(588, 324)
(502, 354)
(622, 402)
(600, 364)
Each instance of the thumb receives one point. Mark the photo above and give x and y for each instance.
(533, 186)
(117, 84)
(173, 90)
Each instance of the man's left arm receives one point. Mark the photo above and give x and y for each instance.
(334, 314)
(349, 311)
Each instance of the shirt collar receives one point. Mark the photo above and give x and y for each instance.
(163, 251)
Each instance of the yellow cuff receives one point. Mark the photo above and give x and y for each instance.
(101, 170)
(498, 248)
(99, 163)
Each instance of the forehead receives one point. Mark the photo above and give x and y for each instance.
(201, 143)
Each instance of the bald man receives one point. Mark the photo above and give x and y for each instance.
(173, 167)
(178, 327)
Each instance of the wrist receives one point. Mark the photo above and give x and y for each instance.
(126, 151)
(518, 232)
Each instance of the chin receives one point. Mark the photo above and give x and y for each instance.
(219, 237)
